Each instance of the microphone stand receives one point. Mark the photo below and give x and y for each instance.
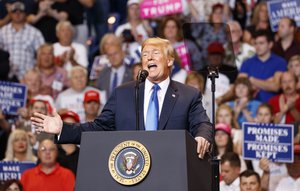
(213, 73)
(137, 101)
(141, 77)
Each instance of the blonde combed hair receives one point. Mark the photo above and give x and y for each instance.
(257, 9)
(164, 43)
(79, 68)
(104, 40)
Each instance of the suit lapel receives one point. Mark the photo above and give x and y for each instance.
(127, 75)
(168, 105)
(107, 82)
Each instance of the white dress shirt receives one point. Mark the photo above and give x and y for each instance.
(288, 184)
(160, 94)
(234, 186)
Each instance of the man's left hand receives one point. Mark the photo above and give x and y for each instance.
(202, 147)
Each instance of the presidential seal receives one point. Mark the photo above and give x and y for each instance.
(129, 162)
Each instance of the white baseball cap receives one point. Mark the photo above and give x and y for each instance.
(130, 2)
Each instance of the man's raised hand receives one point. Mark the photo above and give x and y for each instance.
(48, 124)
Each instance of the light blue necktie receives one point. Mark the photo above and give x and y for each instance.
(153, 110)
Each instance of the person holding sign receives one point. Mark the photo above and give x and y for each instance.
(272, 172)
(170, 28)
(292, 182)
(179, 106)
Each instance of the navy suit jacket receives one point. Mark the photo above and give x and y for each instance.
(182, 109)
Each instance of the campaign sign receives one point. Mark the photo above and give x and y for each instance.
(13, 169)
(183, 54)
(279, 8)
(12, 97)
(272, 141)
(157, 8)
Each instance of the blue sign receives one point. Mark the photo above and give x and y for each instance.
(272, 141)
(283, 8)
(12, 97)
(13, 169)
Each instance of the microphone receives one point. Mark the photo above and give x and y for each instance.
(141, 77)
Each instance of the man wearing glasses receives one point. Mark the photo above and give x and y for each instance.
(48, 175)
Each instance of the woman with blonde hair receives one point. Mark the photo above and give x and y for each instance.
(260, 20)
(225, 115)
(18, 147)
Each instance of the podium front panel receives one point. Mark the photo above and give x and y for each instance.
(169, 169)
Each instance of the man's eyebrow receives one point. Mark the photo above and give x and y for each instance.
(155, 49)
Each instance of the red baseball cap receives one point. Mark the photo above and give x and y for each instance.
(223, 127)
(91, 95)
(215, 48)
(217, 5)
(48, 105)
(71, 114)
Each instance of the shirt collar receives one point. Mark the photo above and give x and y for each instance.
(39, 169)
(236, 182)
(14, 30)
(163, 85)
(121, 68)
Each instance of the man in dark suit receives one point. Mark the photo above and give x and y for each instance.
(168, 104)
(117, 74)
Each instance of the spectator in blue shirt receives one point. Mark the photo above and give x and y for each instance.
(263, 69)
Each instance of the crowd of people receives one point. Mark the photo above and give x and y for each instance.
(71, 59)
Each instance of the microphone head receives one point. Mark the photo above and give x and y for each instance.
(142, 75)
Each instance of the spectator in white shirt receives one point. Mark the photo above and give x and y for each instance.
(292, 181)
(230, 171)
(72, 98)
(67, 52)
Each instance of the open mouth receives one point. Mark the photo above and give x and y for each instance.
(152, 66)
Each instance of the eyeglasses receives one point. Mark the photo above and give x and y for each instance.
(16, 10)
(44, 149)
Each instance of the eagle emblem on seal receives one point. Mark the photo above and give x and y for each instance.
(130, 162)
